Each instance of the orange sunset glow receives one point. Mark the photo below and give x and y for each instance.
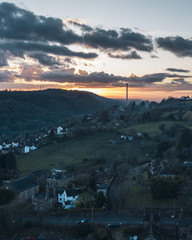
(95, 54)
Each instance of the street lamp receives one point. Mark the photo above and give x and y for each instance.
(92, 213)
(173, 208)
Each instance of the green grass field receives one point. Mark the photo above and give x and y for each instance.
(140, 196)
(152, 128)
(72, 152)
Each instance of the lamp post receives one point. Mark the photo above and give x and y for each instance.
(174, 206)
(92, 213)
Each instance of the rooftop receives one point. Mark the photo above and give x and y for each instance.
(24, 183)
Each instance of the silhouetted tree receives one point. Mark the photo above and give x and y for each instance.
(8, 162)
(163, 188)
(92, 184)
(104, 117)
(185, 139)
(162, 147)
(6, 195)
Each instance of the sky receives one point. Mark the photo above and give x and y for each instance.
(98, 46)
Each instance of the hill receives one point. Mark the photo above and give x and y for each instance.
(83, 153)
(25, 111)
(137, 142)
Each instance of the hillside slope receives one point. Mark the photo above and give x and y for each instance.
(32, 110)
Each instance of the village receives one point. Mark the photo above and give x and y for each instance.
(110, 187)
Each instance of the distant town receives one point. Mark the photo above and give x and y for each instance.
(140, 188)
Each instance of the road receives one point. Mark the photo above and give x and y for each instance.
(106, 220)
(113, 199)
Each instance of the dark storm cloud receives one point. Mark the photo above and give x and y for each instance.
(21, 31)
(3, 59)
(148, 79)
(70, 77)
(179, 46)
(105, 80)
(24, 31)
(20, 24)
(6, 76)
(179, 81)
(131, 55)
(18, 48)
(84, 27)
(177, 70)
(125, 39)
(177, 76)
(44, 59)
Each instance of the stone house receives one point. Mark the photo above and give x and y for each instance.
(25, 188)
(43, 201)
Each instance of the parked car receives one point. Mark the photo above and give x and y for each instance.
(83, 221)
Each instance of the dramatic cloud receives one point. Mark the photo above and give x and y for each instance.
(26, 37)
(18, 48)
(28, 72)
(131, 55)
(177, 70)
(22, 31)
(45, 59)
(70, 77)
(20, 24)
(3, 59)
(177, 45)
(6, 76)
(125, 39)
(84, 27)
(179, 81)
(101, 79)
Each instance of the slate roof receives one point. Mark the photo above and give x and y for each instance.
(71, 193)
(23, 184)
(60, 191)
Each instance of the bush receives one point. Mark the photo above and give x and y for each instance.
(132, 230)
(6, 196)
(102, 234)
(163, 188)
(28, 224)
(82, 230)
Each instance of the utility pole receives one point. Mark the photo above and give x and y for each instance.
(92, 213)
(174, 206)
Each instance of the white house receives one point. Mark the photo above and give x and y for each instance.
(59, 131)
(27, 149)
(123, 137)
(139, 134)
(15, 144)
(130, 138)
(6, 146)
(33, 148)
(67, 198)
